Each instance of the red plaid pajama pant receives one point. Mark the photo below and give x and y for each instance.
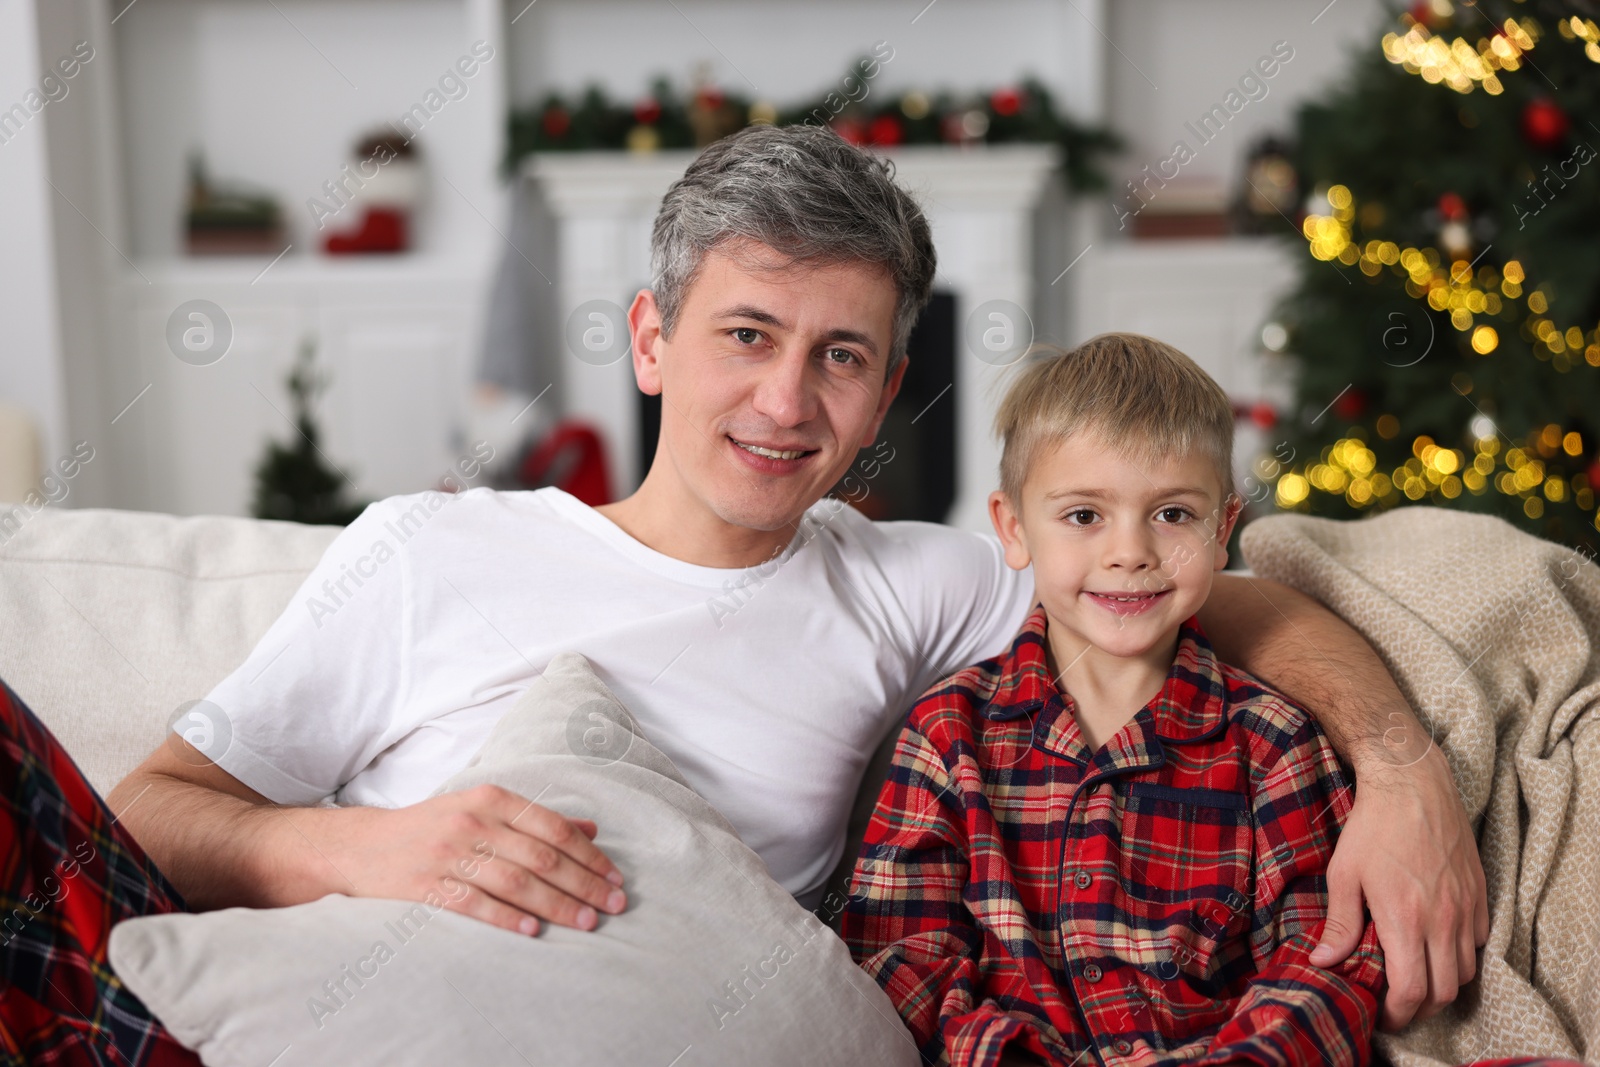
(70, 874)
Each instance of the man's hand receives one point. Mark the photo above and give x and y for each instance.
(484, 852)
(1408, 851)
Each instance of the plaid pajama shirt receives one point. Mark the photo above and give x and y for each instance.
(1152, 902)
(70, 873)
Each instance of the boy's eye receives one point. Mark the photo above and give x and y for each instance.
(745, 335)
(1173, 514)
(1081, 517)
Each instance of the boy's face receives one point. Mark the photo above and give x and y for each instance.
(1122, 552)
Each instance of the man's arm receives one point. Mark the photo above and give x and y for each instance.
(1408, 849)
(484, 852)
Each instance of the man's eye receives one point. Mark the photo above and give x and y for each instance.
(841, 355)
(746, 336)
(1173, 514)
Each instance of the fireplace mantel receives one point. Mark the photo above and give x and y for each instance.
(997, 225)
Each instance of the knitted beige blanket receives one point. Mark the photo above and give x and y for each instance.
(1494, 637)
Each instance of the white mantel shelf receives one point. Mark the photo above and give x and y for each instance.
(983, 204)
(604, 179)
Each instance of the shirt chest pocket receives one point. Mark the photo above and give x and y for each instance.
(1185, 863)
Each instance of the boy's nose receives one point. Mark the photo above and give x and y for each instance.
(1131, 552)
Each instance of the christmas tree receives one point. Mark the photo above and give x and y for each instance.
(1444, 323)
(296, 482)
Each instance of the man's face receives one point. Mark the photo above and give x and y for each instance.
(1122, 551)
(772, 380)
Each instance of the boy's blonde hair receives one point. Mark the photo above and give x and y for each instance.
(1132, 391)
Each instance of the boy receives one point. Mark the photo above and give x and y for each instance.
(1105, 839)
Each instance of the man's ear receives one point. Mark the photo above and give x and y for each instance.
(1230, 519)
(891, 389)
(1008, 525)
(644, 323)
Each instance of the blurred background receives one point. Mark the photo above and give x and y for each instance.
(283, 257)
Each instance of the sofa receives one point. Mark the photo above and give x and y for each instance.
(112, 621)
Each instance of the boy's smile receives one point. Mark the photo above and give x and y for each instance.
(1123, 551)
(1127, 604)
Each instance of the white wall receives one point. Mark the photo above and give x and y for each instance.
(1174, 59)
(30, 360)
(785, 53)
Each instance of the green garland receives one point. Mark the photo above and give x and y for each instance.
(667, 119)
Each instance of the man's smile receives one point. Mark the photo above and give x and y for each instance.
(772, 457)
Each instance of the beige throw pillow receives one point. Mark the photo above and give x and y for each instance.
(712, 963)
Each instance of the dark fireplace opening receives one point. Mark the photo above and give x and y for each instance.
(910, 471)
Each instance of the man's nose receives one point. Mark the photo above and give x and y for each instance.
(787, 391)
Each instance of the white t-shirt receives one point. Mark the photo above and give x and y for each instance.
(769, 687)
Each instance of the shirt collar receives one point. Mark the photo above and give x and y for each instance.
(1190, 707)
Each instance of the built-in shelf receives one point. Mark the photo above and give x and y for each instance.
(275, 93)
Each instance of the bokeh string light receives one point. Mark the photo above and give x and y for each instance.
(1348, 468)
(1459, 64)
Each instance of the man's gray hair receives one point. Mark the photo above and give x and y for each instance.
(809, 195)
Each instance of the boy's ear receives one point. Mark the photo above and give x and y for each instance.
(1230, 518)
(1008, 525)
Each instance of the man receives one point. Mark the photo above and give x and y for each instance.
(765, 640)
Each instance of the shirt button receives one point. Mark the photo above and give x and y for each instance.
(1121, 1047)
(1082, 879)
(1091, 973)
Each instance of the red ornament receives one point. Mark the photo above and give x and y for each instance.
(1263, 415)
(383, 229)
(1351, 403)
(886, 129)
(1594, 474)
(850, 130)
(647, 111)
(1006, 101)
(1452, 208)
(1544, 124)
(556, 121)
(710, 98)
